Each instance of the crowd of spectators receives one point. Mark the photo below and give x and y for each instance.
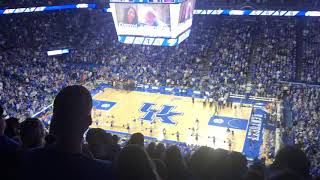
(306, 113)
(311, 53)
(274, 52)
(222, 55)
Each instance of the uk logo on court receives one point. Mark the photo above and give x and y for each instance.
(164, 115)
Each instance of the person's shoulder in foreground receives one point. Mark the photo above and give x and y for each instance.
(7, 144)
(51, 163)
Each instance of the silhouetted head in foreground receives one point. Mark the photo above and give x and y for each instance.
(134, 163)
(99, 143)
(294, 159)
(12, 128)
(200, 163)
(137, 138)
(175, 163)
(32, 133)
(71, 114)
(237, 163)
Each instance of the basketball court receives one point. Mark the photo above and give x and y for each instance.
(163, 116)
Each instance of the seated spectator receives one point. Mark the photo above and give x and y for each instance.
(99, 143)
(200, 163)
(159, 151)
(8, 149)
(71, 118)
(175, 163)
(237, 165)
(115, 146)
(32, 133)
(12, 128)
(137, 138)
(134, 163)
(151, 149)
(219, 168)
(292, 158)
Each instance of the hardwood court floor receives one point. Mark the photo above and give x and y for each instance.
(129, 103)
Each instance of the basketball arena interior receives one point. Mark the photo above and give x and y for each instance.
(160, 89)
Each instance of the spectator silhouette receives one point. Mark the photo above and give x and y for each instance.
(219, 166)
(115, 146)
(294, 159)
(175, 163)
(151, 149)
(237, 165)
(99, 143)
(32, 133)
(12, 128)
(137, 138)
(200, 163)
(71, 118)
(8, 149)
(134, 163)
(159, 151)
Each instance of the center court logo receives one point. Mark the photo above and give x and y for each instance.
(103, 105)
(218, 121)
(165, 114)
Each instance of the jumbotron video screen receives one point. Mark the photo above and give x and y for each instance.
(153, 21)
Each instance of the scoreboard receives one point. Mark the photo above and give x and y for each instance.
(152, 22)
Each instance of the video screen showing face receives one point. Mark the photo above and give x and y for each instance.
(135, 15)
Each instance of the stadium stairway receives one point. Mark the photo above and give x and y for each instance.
(251, 60)
(299, 48)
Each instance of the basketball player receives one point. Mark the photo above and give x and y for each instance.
(211, 102)
(197, 123)
(197, 136)
(128, 128)
(97, 122)
(204, 101)
(228, 130)
(235, 111)
(216, 109)
(192, 100)
(214, 140)
(220, 102)
(230, 144)
(164, 132)
(192, 131)
(111, 123)
(177, 135)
